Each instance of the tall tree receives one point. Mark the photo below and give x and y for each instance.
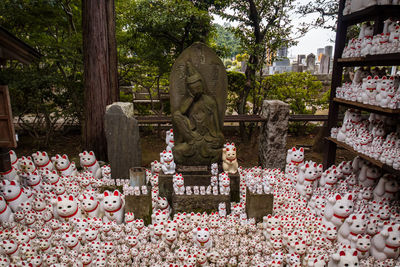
(263, 26)
(52, 87)
(152, 34)
(325, 11)
(100, 71)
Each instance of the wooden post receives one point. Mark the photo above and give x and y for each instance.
(330, 154)
(100, 70)
(7, 133)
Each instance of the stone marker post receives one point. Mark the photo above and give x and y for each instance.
(273, 133)
(123, 142)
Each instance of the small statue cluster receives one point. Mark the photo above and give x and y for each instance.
(135, 190)
(220, 184)
(376, 137)
(256, 180)
(366, 44)
(382, 92)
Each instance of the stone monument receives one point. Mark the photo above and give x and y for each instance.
(310, 60)
(198, 91)
(123, 142)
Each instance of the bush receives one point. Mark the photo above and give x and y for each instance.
(301, 90)
(125, 97)
(236, 82)
(43, 101)
(228, 63)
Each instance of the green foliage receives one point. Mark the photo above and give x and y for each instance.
(51, 87)
(301, 90)
(224, 41)
(236, 83)
(242, 57)
(325, 12)
(151, 34)
(228, 63)
(262, 26)
(125, 97)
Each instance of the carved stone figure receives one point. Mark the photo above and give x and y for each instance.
(197, 111)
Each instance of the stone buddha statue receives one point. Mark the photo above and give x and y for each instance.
(198, 136)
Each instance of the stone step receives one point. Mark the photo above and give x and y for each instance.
(199, 203)
(140, 206)
(259, 205)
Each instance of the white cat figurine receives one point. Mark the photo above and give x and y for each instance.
(167, 161)
(229, 160)
(89, 162)
(66, 208)
(113, 206)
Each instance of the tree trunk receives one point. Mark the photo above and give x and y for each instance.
(112, 44)
(249, 85)
(100, 81)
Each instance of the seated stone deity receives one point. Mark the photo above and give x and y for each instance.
(199, 139)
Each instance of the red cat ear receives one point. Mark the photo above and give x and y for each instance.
(64, 156)
(106, 193)
(59, 198)
(338, 197)
(71, 198)
(91, 153)
(116, 193)
(342, 253)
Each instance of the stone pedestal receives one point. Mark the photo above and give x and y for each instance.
(258, 206)
(140, 206)
(123, 142)
(273, 133)
(166, 189)
(199, 203)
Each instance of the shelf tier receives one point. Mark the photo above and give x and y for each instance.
(371, 108)
(373, 161)
(385, 11)
(371, 60)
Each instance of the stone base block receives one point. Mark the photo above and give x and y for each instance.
(199, 203)
(140, 206)
(192, 169)
(257, 206)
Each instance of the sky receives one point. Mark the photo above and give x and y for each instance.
(310, 42)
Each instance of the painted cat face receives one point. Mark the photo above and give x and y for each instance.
(66, 205)
(87, 158)
(112, 201)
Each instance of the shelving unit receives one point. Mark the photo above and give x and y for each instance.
(367, 107)
(373, 161)
(377, 14)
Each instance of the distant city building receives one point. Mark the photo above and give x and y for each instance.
(282, 52)
(329, 50)
(280, 66)
(320, 51)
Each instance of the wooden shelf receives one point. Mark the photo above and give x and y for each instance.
(371, 108)
(371, 60)
(377, 163)
(384, 11)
